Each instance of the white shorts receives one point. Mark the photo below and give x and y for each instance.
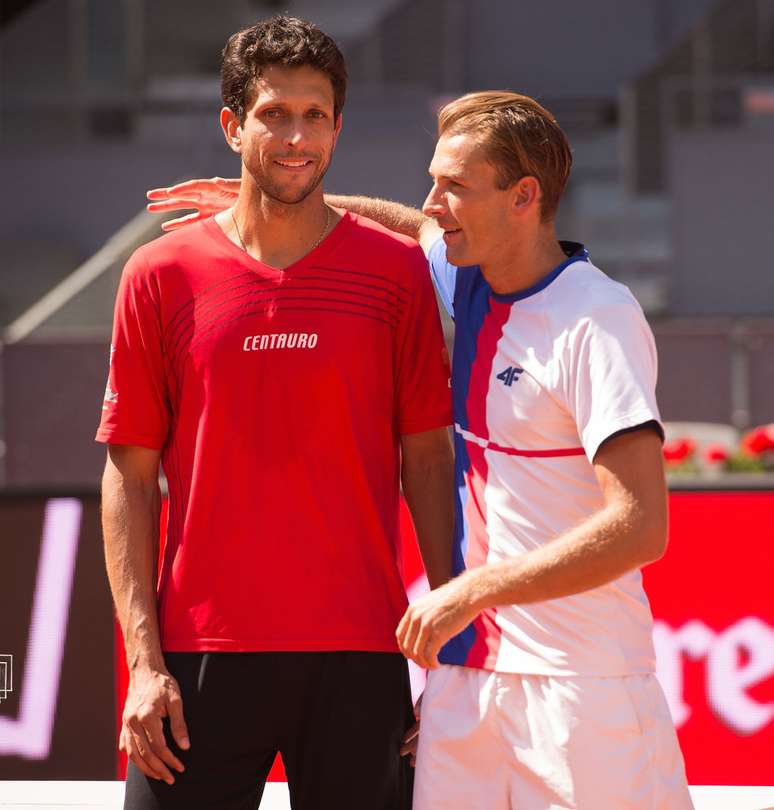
(500, 741)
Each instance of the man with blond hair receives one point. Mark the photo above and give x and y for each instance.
(542, 691)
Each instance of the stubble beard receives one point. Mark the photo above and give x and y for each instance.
(279, 193)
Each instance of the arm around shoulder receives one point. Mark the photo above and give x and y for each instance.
(393, 215)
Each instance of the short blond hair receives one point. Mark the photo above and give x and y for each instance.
(520, 138)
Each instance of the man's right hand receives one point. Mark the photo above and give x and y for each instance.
(152, 696)
(206, 197)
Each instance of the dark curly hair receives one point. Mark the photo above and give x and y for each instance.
(281, 40)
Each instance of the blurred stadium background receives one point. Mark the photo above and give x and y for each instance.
(669, 105)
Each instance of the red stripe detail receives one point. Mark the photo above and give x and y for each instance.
(512, 451)
(486, 347)
(484, 651)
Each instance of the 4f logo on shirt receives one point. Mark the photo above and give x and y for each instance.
(510, 375)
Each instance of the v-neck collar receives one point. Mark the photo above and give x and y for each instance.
(315, 255)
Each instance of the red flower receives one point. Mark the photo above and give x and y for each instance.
(716, 453)
(759, 440)
(679, 450)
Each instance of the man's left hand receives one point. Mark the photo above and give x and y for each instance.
(435, 618)
(207, 197)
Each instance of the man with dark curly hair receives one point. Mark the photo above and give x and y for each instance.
(284, 362)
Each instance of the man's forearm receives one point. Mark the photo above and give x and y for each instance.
(601, 549)
(428, 486)
(393, 215)
(130, 520)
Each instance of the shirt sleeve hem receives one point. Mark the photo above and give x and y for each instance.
(421, 425)
(592, 444)
(117, 437)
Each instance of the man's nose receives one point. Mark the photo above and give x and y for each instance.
(433, 204)
(295, 134)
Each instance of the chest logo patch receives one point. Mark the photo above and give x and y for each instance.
(280, 340)
(510, 375)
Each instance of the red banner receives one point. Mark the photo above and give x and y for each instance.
(713, 600)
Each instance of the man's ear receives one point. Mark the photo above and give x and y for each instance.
(337, 128)
(526, 194)
(232, 130)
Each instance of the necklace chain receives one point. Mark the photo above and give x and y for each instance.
(314, 246)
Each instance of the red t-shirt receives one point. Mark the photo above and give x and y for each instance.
(278, 398)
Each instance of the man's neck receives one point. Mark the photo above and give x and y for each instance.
(275, 233)
(521, 264)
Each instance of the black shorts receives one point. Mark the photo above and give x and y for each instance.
(337, 718)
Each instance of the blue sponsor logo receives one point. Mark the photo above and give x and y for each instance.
(510, 375)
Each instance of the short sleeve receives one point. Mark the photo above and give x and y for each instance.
(135, 408)
(611, 375)
(423, 387)
(444, 274)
